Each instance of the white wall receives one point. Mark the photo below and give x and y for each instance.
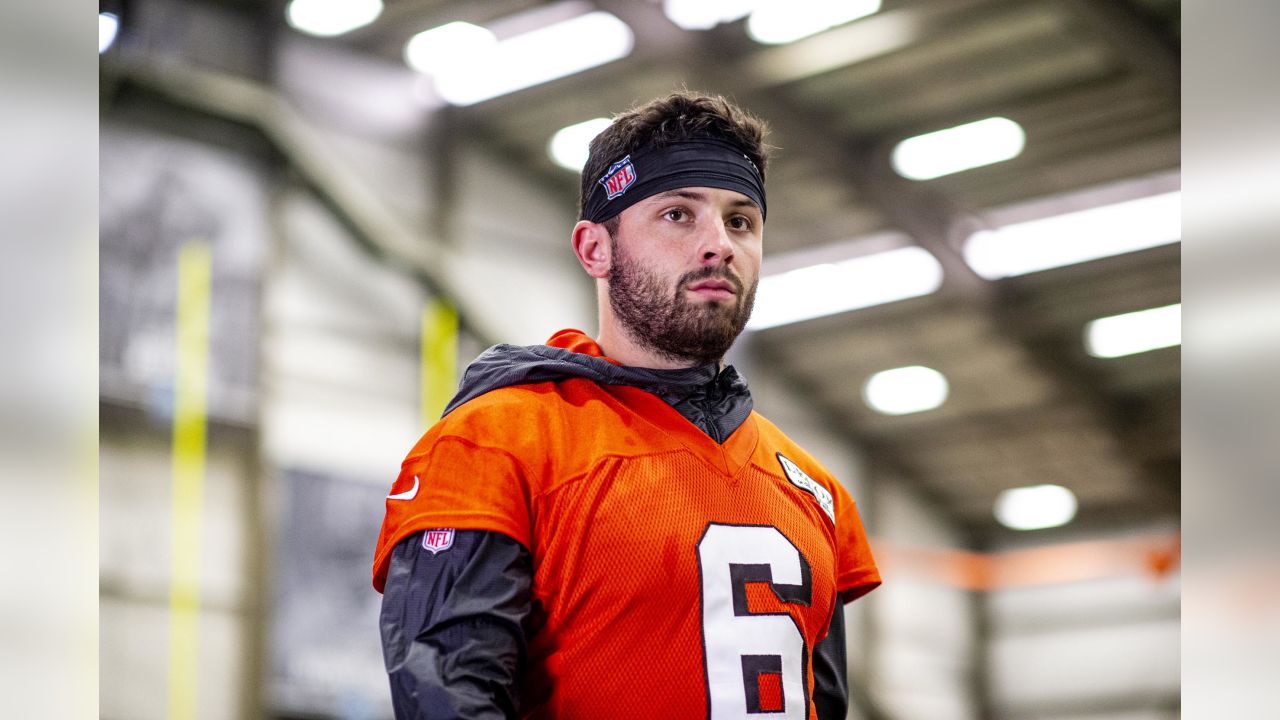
(924, 632)
(513, 253)
(161, 190)
(340, 351)
(134, 575)
(1106, 649)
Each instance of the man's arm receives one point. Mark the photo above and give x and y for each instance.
(830, 670)
(453, 627)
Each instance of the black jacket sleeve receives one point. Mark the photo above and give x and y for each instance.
(454, 626)
(831, 671)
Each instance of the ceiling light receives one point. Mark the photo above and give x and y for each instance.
(963, 147)
(1134, 332)
(774, 22)
(1076, 237)
(705, 14)
(905, 390)
(851, 44)
(1035, 507)
(108, 25)
(571, 146)
(434, 50)
(851, 284)
(326, 18)
(535, 57)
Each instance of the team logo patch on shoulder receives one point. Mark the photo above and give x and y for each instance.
(801, 479)
(620, 176)
(437, 540)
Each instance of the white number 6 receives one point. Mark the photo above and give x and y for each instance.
(756, 662)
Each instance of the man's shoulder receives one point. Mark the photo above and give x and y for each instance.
(501, 405)
(513, 418)
(773, 437)
(527, 397)
(774, 442)
(502, 411)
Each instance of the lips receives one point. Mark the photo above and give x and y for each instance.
(712, 286)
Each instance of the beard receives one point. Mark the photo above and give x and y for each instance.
(663, 319)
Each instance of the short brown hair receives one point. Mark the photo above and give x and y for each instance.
(679, 116)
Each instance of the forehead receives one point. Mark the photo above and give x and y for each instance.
(707, 195)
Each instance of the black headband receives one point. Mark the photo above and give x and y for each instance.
(706, 162)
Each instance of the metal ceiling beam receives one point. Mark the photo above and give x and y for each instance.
(1133, 38)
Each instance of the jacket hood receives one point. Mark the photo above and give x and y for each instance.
(717, 401)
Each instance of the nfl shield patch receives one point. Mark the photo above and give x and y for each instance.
(620, 176)
(437, 540)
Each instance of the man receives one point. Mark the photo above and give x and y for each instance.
(604, 528)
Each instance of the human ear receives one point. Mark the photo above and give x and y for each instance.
(593, 247)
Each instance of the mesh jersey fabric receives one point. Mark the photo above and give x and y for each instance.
(632, 516)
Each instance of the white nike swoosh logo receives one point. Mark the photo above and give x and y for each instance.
(409, 494)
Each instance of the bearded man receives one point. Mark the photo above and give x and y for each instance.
(605, 528)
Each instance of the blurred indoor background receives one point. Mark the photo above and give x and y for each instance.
(314, 213)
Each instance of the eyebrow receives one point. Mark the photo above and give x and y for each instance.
(700, 197)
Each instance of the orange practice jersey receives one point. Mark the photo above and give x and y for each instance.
(679, 578)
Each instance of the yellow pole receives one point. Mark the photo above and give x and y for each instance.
(439, 358)
(189, 438)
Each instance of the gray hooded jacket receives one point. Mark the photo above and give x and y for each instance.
(716, 401)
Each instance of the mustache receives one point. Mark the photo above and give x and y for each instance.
(711, 273)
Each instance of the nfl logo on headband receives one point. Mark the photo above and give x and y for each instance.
(620, 176)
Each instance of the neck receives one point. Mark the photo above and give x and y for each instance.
(618, 345)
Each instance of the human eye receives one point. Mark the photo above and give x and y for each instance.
(741, 223)
(676, 214)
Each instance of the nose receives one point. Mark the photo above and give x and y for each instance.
(715, 247)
